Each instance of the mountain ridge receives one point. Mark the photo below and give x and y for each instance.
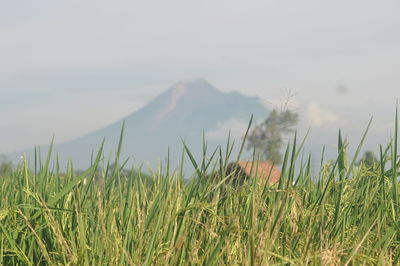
(184, 111)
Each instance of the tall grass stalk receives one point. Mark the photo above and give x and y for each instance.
(347, 214)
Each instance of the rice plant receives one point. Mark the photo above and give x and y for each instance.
(108, 215)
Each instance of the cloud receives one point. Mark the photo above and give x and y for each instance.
(318, 117)
(235, 126)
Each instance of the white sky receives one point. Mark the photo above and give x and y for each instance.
(69, 67)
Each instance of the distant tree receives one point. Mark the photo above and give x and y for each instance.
(267, 137)
(368, 159)
(5, 164)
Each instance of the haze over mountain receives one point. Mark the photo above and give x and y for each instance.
(183, 112)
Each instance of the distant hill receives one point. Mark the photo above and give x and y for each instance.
(183, 111)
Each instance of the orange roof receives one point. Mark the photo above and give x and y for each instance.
(264, 170)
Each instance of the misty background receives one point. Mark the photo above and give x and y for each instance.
(68, 68)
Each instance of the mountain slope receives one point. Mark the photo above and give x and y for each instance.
(184, 111)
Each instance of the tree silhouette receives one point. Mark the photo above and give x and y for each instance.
(267, 137)
(5, 164)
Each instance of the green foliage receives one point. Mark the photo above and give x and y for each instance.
(109, 216)
(267, 137)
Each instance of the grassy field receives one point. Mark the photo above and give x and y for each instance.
(347, 214)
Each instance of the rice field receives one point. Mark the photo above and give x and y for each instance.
(347, 214)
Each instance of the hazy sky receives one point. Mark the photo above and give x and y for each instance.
(69, 67)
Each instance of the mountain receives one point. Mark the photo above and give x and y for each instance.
(182, 112)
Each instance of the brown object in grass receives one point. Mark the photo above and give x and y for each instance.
(263, 171)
